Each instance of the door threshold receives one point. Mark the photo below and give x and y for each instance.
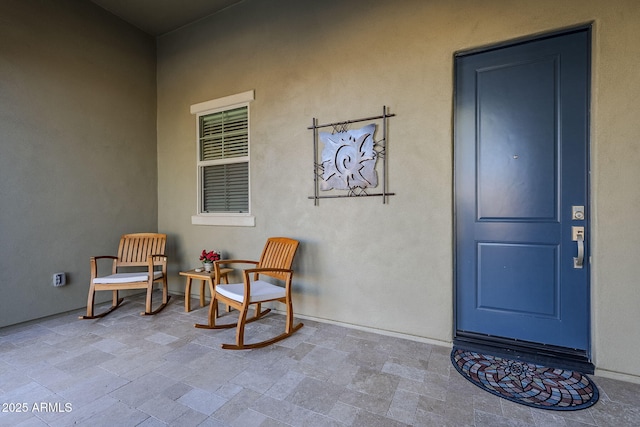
(540, 354)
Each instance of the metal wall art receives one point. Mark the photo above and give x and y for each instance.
(349, 158)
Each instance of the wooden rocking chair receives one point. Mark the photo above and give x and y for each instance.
(142, 250)
(275, 262)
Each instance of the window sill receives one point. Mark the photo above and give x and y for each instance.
(225, 220)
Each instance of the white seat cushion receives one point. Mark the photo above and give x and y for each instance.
(127, 277)
(260, 291)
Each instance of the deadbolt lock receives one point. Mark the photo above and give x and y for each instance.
(577, 213)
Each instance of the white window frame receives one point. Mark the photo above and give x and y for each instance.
(215, 106)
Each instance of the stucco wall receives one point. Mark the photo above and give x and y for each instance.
(362, 262)
(77, 148)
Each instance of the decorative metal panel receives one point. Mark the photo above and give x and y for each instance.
(349, 164)
(348, 159)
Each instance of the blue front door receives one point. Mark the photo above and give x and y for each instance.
(521, 191)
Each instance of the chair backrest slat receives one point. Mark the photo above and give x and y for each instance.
(278, 253)
(135, 248)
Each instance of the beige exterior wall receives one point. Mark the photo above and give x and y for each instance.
(87, 169)
(78, 160)
(389, 267)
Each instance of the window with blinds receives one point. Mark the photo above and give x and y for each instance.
(223, 139)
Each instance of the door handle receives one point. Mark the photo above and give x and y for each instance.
(577, 235)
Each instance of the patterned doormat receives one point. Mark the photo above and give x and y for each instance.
(526, 383)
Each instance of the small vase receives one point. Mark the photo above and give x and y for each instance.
(208, 266)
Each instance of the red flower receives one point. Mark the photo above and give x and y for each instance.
(210, 256)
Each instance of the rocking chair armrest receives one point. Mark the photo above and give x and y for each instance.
(217, 265)
(234, 261)
(103, 256)
(151, 264)
(94, 264)
(266, 269)
(94, 259)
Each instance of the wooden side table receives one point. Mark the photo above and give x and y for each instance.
(203, 276)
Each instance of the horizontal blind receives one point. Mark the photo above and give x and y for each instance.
(224, 134)
(226, 188)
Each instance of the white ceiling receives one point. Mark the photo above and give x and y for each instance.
(157, 17)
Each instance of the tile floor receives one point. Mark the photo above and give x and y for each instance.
(129, 370)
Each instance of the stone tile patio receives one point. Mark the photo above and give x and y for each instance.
(130, 370)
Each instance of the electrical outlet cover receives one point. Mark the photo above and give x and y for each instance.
(59, 279)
